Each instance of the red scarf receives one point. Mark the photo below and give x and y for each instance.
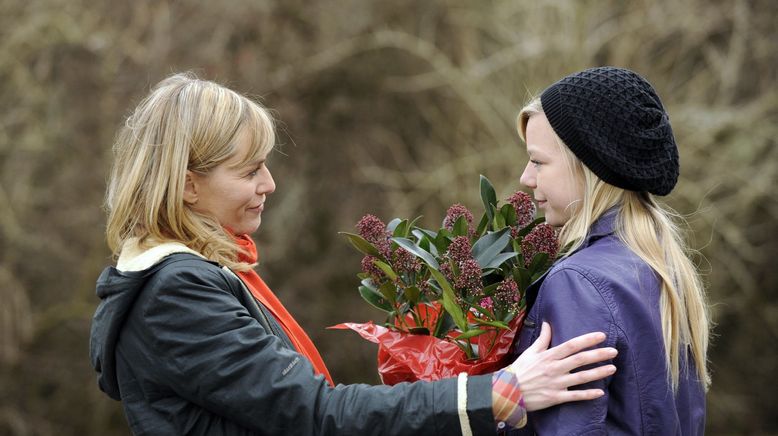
(262, 292)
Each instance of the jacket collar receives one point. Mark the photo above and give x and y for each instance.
(604, 225)
(135, 257)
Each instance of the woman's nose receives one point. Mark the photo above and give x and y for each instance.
(268, 185)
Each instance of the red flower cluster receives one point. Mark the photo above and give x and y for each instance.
(454, 212)
(507, 295)
(542, 239)
(525, 210)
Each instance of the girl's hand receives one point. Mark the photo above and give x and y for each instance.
(544, 374)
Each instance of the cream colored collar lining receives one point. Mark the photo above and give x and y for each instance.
(135, 258)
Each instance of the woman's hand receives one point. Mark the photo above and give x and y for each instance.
(544, 374)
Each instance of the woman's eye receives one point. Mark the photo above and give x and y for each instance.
(535, 163)
(255, 170)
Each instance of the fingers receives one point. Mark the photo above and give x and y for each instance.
(575, 345)
(567, 396)
(587, 358)
(590, 375)
(543, 341)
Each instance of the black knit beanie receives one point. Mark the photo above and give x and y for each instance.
(613, 120)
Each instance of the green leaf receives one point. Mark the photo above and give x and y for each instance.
(375, 299)
(412, 294)
(444, 325)
(417, 251)
(413, 224)
(442, 241)
(538, 263)
(471, 333)
(368, 283)
(481, 310)
(389, 292)
(386, 269)
(528, 228)
(401, 230)
(361, 244)
(498, 324)
(522, 277)
(488, 196)
(489, 290)
(490, 245)
(497, 261)
(482, 225)
(430, 234)
(499, 221)
(460, 227)
(449, 300)
(508, 213)
(393, 224)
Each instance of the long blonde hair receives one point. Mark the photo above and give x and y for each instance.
(184, 124)
(648, 229)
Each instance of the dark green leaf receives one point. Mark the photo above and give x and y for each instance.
(417, 251)
(471, 333)
(412, 294)
(539, 263)
(449, 300)
(368, 283)
(490, 245)
(508, 213)
(522, 277)
(528, 228)
(498, 324)
(482, 311)
(489, 290)
(488, 197)
(393, 224)
(401, 230)
(481, 229)
(499, 221)
(389, 291)
(390, 274)
(413, 224)
(460, 227)
(444, 325)
(497, 261)
(361, 244)
(375, 299)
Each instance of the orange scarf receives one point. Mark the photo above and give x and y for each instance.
(262, 292)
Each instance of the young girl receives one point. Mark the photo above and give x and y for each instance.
(192, 340)
(600, 148)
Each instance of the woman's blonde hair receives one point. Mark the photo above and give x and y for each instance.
(184, 124)
(649, 231)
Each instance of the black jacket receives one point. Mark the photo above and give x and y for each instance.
(188, 350)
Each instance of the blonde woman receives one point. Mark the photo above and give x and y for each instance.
(191, 339)
(600, 149)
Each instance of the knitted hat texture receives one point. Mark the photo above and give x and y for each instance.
(612, 119)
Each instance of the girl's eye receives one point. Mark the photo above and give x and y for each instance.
(535, 163)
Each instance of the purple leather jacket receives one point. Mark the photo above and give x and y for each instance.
(605, 287)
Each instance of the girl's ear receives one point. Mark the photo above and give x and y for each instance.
(190, 188)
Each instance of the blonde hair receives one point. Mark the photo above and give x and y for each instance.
(183, 124)
(649, 231)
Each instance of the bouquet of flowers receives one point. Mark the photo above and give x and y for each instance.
(454, 297)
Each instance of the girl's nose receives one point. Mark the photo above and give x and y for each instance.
(528, 176)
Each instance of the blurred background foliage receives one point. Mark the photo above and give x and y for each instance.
(385, 107)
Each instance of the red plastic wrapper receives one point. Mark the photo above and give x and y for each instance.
(406, 357)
